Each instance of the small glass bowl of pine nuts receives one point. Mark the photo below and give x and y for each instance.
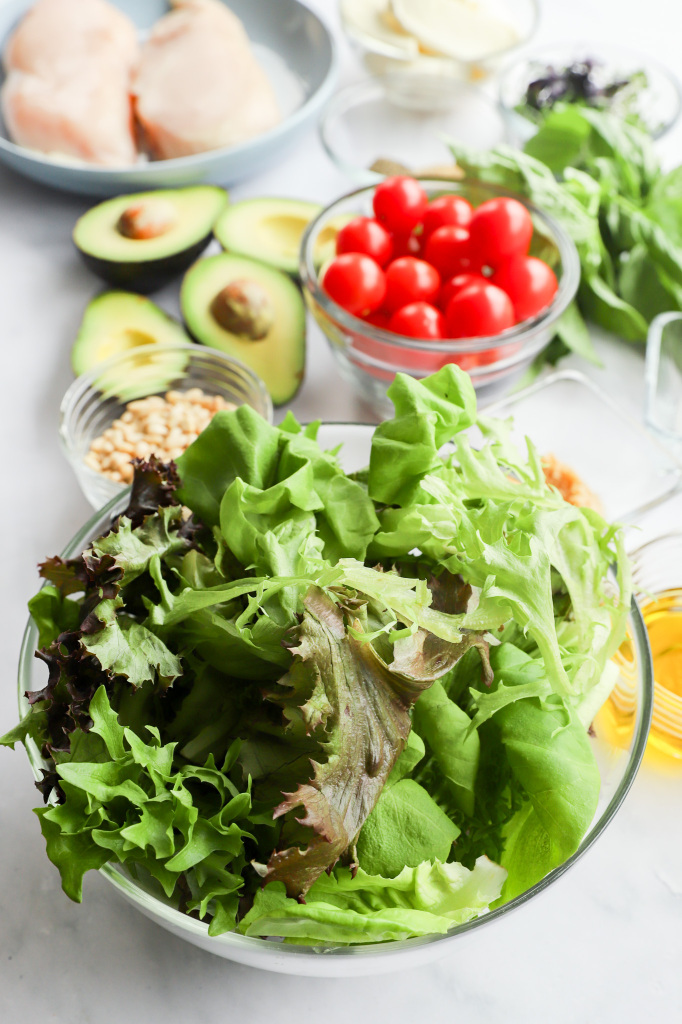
(153, 399)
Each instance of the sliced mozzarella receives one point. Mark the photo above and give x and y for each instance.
(463, 29)
(375, 20)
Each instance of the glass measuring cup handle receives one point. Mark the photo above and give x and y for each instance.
(663, 403)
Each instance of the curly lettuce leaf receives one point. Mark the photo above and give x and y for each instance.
(343, 909)
(132, 807)
(128, 649)
(511, 548)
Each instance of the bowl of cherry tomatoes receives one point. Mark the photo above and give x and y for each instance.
(427, 272)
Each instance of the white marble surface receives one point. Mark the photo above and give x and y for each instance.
(601, 945)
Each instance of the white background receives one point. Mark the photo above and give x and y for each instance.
(603, 944)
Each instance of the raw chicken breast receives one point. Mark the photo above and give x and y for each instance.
(55, 33)
(87, 117)
(68, 89)
(198, 85)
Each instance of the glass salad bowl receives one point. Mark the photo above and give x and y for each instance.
(618, 766)
(369, 357)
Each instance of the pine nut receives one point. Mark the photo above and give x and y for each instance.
(165, 426)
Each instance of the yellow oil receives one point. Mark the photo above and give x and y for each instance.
(662, 616)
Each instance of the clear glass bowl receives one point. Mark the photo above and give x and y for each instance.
(365, 24)
(369, 357)
(98, 397)
(663, 406)
(658, 104)
(657, 579)
(406, 119)
(627, 468)
(618, 766)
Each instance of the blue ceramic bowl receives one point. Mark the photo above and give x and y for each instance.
(293, 46)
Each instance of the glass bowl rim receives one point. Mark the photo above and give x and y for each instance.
(178, 921)
(568, 283)
(87, 381)
(608, 48)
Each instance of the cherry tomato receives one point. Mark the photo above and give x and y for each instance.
(378, 319)
(365, 235)
(500, 228)
(447, 249)
(447, 210)
(455, 285)
(399, 203)
(479, 311)
(356, 282)
(406, 245)
(529, 282)
(418, 320)
(410, 280)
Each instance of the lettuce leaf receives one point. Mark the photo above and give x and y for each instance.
(361, 709)
(550, 757)
(391, 671)
(427, 414)
(405, 828)
(132, 807)
(343, 908)
(454, 745)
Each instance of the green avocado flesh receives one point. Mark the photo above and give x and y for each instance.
(279, 357)
(141, 242)
(117, 322)
(270, 230)
(195, 209)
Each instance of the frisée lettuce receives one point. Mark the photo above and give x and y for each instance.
(323, 707)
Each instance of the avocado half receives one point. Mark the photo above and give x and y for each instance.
(141, 241)
(252, 312)
(116, 322)
(271, 230)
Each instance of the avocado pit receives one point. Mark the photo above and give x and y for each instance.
(148, 218)
(244, 308)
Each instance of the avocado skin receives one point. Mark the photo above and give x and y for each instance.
(148, 276)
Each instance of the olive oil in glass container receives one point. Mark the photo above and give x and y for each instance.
(657, 578)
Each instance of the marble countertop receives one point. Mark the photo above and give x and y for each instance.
(602, 944)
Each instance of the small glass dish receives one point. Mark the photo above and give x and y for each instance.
(369, 357)
(657, 582)
(386, 46)
(406, 119)
(98, 397)
(570, 417)
(657, 104)
(663, 406)
(618, 765)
